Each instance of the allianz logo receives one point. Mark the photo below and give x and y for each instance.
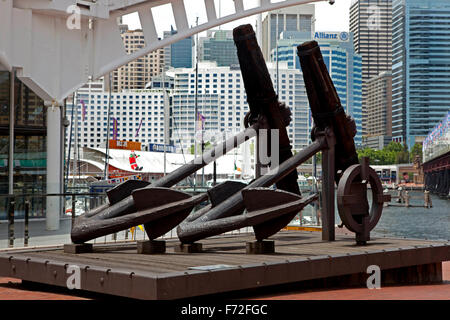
(341, 36)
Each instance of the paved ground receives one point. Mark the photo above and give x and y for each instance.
(419, 292)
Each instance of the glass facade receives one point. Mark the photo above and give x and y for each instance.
(219, 47)
(29, 146)
(420, 67)
(343, 64)
(178, 54)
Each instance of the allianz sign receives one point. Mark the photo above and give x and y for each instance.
(338, 36)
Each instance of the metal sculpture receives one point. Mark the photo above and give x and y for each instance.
(235, 205)
(352, 200)
(137, 202)
(351, 177)
(333, 134)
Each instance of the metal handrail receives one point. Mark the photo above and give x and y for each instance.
(26, 196)
(41, 195)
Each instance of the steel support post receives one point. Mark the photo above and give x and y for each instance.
(11, 223)
(328, 207)
(27, 214)
(73, 208)
(53, 207)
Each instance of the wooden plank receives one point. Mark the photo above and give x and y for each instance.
(302, 256)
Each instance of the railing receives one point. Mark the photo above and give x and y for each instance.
(95, 199)
(72, 203)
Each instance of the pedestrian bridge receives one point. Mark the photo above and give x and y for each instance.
(56, 47)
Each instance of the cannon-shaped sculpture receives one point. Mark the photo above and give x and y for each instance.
(333, 134)
(235, 205)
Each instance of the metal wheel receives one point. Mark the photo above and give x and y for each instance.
(352, 199)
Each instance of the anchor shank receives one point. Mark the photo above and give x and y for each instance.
(235, 204)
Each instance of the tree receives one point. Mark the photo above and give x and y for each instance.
(394, 147)
(416, 150)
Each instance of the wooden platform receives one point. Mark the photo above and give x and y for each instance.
(223, 266)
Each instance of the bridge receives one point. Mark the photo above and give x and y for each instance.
(436, 154)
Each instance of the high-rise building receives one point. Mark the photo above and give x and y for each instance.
(379, 111)
(222, 100)
(343, 64)
(370, 23)
(137, 73)
(180, 53)
(218, 46)
(140, 115)
(420, 67)
(298, 18)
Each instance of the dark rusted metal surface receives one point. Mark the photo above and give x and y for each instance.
(261, 97)
(326, 108)
(168, 207)
(122, 209)
(352, 200)
(328, 175)
(228, 211)
(263, 102)
(123, 190)
(223, 191)
(118, 270)
(264, 206)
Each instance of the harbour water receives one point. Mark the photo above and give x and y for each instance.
(413, 222)
(416, 222)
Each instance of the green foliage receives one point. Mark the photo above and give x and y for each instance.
(393, 153)
(208, 145)
(416, 150)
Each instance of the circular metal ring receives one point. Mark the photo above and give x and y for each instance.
(353, 174)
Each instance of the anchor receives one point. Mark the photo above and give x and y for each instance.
(133, 202)
(333, 134)
(233, 205)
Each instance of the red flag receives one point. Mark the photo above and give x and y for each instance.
(83, 110)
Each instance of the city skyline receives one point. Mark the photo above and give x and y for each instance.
(325, 17)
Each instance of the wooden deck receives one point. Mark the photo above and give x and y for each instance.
(223, 266)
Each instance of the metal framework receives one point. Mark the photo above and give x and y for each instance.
(54, 60)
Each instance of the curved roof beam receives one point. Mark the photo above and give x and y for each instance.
(55, 60)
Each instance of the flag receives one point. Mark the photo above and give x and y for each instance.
(200, 121)
(83, 108)
(133, 229)
(114, 128)
(137, 132)
(236, 168)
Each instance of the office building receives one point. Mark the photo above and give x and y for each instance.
(420, 67)
(298, 18)
(137, 73)
(218, 46)
(140, 116)
(379, 111)
(343, 64)
(370, 23)
(180, 53)
(222, 101)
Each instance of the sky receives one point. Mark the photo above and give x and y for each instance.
(328, 17)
